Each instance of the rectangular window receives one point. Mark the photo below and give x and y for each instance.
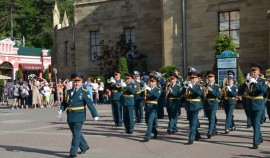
(130, 38)
(229, 22)
(94, 45)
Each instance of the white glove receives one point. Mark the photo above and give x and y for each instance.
(124, 84)
(252, 80)
(95, 118)
(190, 85)
(113, 81)
(147, 88)
(59, 112)
(228, 87)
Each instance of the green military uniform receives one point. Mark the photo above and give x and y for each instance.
(193, 104)
(139, 103)
(128, 108)
(268, 102)
(74, 104)
(256, 105)
(243, 92)
(211, 101)
(161, 103)
(180, 81)
(151, 106)
(117, 107)
(173, 103)
(229, 104)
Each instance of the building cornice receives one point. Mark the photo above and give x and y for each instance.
(89, 2)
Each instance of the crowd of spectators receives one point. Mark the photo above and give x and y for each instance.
(39, 93)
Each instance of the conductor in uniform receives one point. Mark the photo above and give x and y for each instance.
(74, 104)
(255, 102)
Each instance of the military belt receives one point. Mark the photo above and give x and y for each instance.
(114, 90)
(138, 92)
(151, 102)
(193, 100)
(173, 98)
(210, 99)
(75, 108)
(229, 98)
(125, 95)
(257, 97)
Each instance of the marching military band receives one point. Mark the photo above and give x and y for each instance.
(135, 96)
(197, 92)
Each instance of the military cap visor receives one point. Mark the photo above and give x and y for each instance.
(230, 72)
(77, 77)
(128, 75)
(192, 74)
(153, 78)
(173, 75)
(210, 74)
(255, 66)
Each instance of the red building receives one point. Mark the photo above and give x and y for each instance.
(30, 60)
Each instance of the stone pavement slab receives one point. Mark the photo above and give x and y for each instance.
(38, 133)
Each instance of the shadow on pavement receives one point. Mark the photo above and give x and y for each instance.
(34, 150)
(267, 153)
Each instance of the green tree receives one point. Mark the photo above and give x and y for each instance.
(47, 74)
(9, 13)
(123, 66)
(19, 73)
(31, 19)
(225, 42)
(111, 54)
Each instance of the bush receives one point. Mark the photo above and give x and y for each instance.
(47, 74)
(122, 66)
(19, 73)
(167, 70)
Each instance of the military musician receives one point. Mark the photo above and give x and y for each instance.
(173, 95)
(128, 108)
(151, 93)
(211, 93)
(193, 92)
(117, 94)
(138, 96)
(229, 101)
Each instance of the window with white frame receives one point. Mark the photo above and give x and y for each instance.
(94, 45)
(229, 22)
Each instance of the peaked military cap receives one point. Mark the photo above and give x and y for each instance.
(255, 66)
(193, 74)
(173, 74)
(153, 78)
(128, 75)
(210, 74)
(77, 76)
(136, 73)
(230, 72)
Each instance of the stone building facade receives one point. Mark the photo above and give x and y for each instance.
(169, 32)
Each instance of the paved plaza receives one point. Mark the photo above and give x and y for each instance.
(38, 133)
